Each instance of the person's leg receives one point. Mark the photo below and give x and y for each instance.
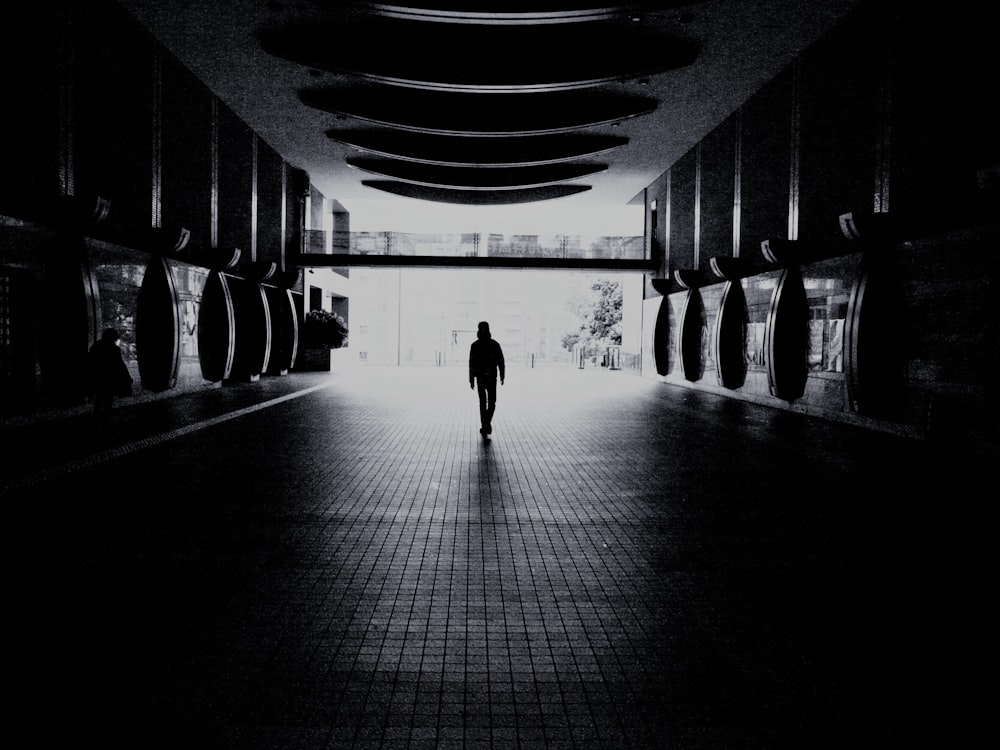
(491, 403)
(484, 419)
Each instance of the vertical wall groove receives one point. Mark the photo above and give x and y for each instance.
(284, 215)
(157, 142)
(253, 197)
(738, 182)
(666, 222)
(794, 156)
(697, 206)
(883, 143)
(213, 218)
(66, 109)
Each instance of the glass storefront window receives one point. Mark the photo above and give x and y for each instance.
(828, 287)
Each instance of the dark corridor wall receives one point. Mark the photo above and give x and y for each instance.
(132, 197)
(832, 246)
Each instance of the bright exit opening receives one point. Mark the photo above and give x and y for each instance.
(428, 317)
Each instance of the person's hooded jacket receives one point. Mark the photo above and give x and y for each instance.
(485, 356)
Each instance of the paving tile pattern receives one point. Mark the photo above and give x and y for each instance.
(343, 562)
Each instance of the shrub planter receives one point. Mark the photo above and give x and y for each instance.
(323, 333)
(323, 360)
(314, 360)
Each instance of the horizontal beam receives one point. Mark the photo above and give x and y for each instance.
(323, 260)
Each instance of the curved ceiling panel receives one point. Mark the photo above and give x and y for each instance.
(475, 197)
(475, 178)
(484, 151)
(512, 11)
(480, 102)
(478, 114)
(482, 57)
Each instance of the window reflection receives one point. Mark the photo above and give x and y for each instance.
(758, 291)
(711, 297)
(827, 286)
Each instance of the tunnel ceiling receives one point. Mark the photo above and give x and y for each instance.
(521, 71)
(486, 103)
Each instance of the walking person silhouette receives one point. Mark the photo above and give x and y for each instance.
(485, 365)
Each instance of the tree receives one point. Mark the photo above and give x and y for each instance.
(605, 322)
(570, 340)
(600, 313)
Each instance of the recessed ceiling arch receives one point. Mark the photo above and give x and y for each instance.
(476, 178)
(483, 57)
(475, 197)
(478, 114)
(459, 150)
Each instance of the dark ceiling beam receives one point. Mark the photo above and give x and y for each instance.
(317, 260)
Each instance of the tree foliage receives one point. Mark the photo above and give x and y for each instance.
(600, 314)
(570, 340)
(605, 320)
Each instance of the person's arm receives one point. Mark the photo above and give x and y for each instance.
(500, 364)
(472, 374)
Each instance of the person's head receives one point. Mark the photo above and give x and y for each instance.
(484, 330)
(110, 335)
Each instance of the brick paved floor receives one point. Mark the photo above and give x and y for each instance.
(342, 562)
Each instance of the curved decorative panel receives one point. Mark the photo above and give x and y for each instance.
(475, 197)
(730, 337)
(223, 259)
(691, 278)
(68, 329)
(478, 114)
(664, 286)
(253, 331)
(464, 56)
(166, 240)
(787, 337)
(691, 323)
(261, 270)
(284, 329)
(81, 214)
(874, 362)
(288, 278)
(216, 328)
(158, 327)
(475, 178)
(730, 269)
(661, 338)
(482, 151)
